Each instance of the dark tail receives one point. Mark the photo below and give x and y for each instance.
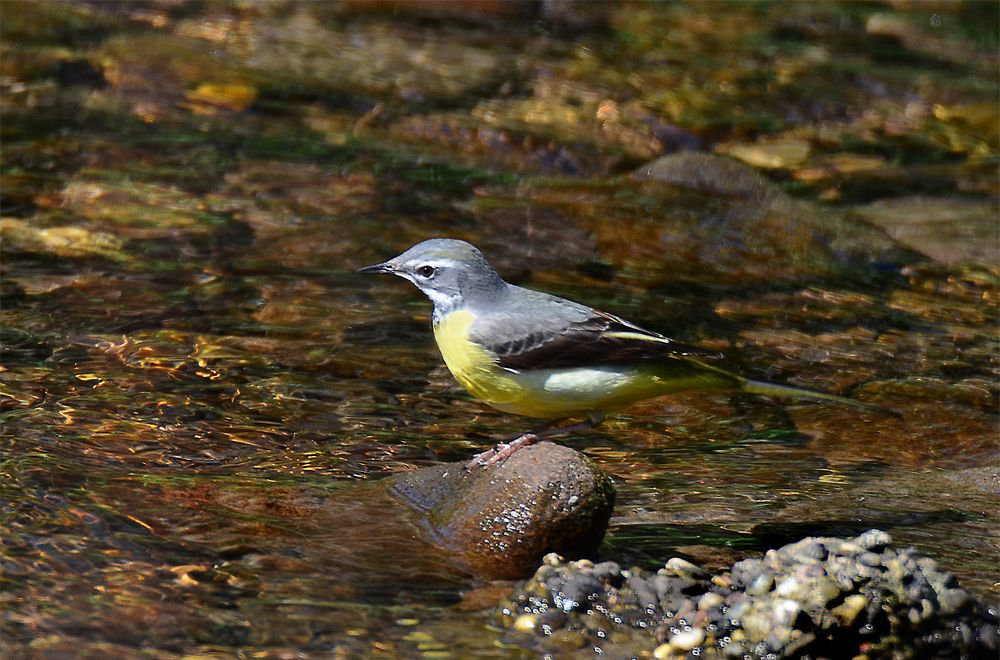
(789, 392)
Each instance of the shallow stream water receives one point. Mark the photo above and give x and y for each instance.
(196, 388)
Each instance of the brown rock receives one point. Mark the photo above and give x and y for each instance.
(501, 520)
(747, 228)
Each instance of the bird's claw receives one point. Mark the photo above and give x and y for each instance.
(501, 452)
(488, 457)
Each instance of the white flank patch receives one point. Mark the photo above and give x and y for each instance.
(552, 393)
(583, 382)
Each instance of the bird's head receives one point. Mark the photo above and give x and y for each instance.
(452, 273)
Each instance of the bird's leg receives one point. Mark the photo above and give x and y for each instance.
(504, 450)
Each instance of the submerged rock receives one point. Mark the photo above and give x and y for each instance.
(707, 173)
(374, 59)
(728, 220)
(66, 241)
(951, 230)
(504, 518)
(819, 597)
(772, 154)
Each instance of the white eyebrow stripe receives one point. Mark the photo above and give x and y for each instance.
(439, 262)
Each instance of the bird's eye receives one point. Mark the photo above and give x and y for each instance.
(426, 271)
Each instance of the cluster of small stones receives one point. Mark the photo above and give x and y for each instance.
(819, 597)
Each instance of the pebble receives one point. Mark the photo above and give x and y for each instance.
(874, 539)
(525, 623)
(608, 572)
(848, 611)
(870, 559)
(552, 559)
(567, 640)
(710, 600)
(687, 640)
(761, 585)
(684, 568)
(664, 652)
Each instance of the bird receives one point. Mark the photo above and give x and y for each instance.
(534, 354)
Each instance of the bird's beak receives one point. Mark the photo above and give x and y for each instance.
(384, 267)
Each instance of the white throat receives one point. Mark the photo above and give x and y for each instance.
(444, 303)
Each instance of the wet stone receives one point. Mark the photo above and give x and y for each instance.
(503, 519)
(608, 572)
(683, 568)
(707, 173)
(948, 230)
(794, 238)
(874, 540)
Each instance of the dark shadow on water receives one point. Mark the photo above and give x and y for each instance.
(650, 545)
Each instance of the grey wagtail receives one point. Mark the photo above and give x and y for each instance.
(531, 353)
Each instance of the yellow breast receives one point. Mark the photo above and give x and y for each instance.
(471, 365)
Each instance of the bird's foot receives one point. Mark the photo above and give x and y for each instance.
(501, 452)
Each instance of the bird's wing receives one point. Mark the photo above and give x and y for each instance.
(578, 336)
